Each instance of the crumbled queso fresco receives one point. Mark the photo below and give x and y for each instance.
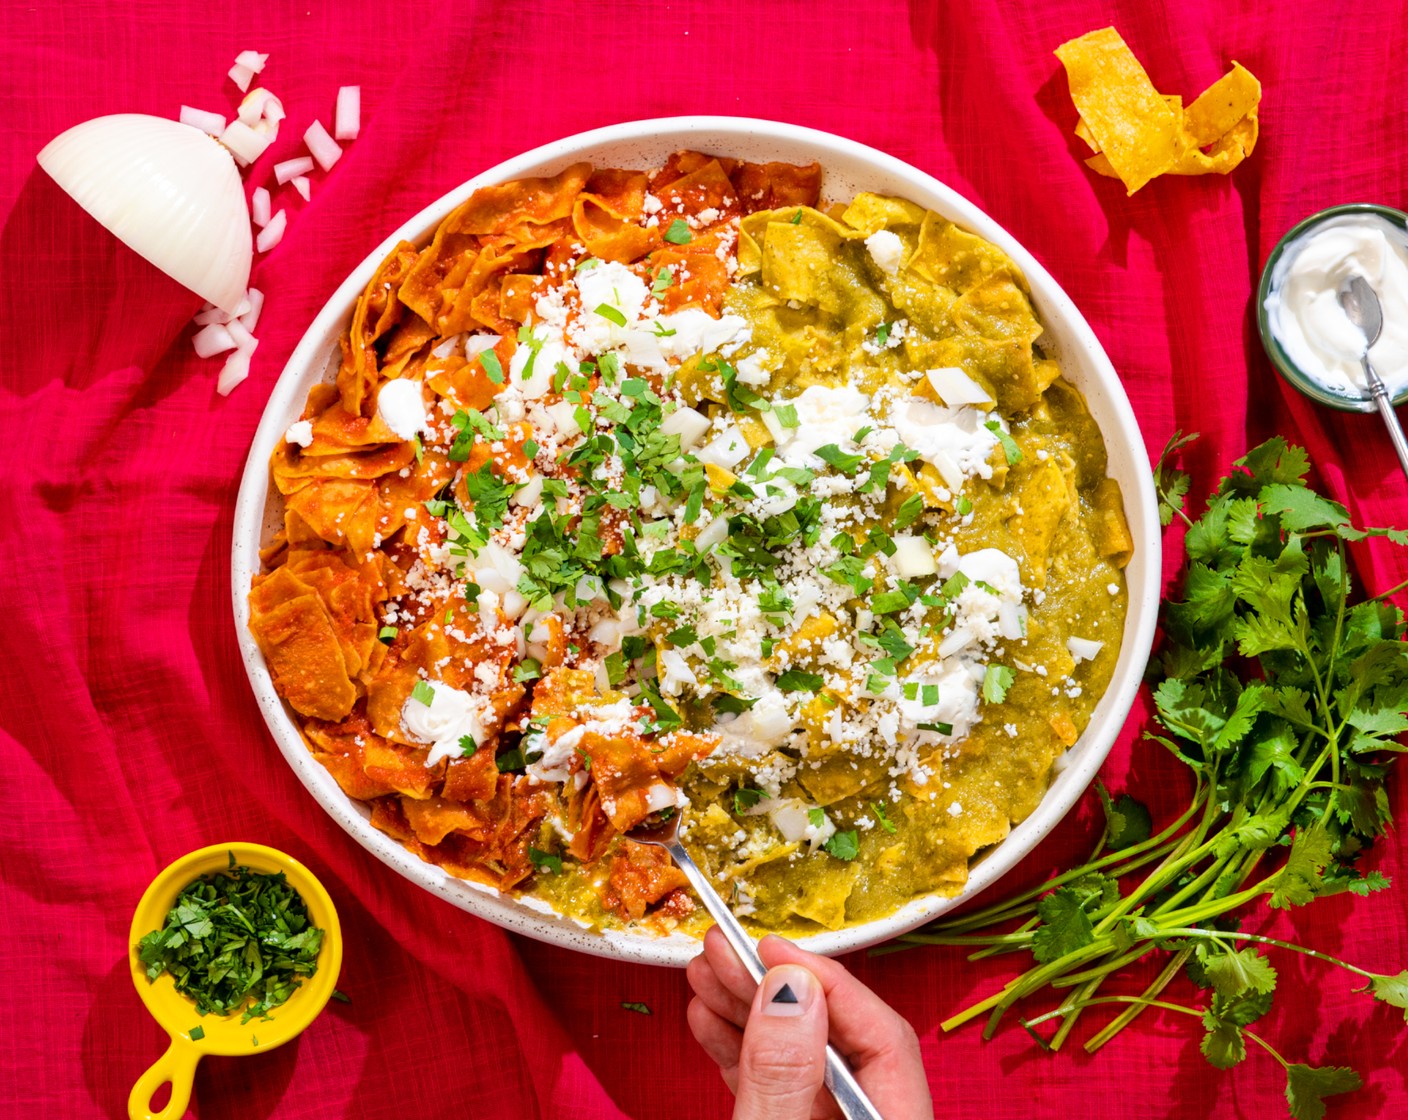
(754, 592)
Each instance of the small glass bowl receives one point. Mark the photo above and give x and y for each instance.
(1298, 378)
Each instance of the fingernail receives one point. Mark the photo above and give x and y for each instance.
(788, 989)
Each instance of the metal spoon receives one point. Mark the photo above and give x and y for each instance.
(1361, 304)
(851, 1098)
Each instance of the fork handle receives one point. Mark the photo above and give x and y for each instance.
(1379, 391)
(850, 1097)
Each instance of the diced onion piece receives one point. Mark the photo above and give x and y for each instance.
(212, 123)
(241, 76)
(260, 207)
(716, 532)
(1084, 649)
(347, 121)
(213, 339)
(250, 319)
(240, 333)
(476, 344)
(235, 369)
(291, 168)
(303, 187)
(686, 423)
(563, 414)
(322, 146)
(260, 104)
(273, 233)
(208, 315)
(914, 557)
(244, 143)
(251, 60)
(955, 387)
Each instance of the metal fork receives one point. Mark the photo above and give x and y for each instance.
(851, 1098)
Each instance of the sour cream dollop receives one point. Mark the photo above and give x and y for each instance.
(1304, 310)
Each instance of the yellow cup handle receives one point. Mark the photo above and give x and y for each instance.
(178, 1066)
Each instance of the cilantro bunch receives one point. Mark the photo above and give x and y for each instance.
(1284, 694)
(235, 938)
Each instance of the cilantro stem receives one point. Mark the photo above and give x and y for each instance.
(1392, 591)
(1129, 1014)
(1227, 935)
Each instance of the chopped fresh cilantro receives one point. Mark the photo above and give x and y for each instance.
(996, 681)
(909, 509)
(490, 361)
(797, 680)
(530, 448)
(843, 845)
(510, 760)
(638, 1008)
(843, 461)
(664, 279)
(786, 415)
(1010, 450)
(936, 725)
(880, 815)
(467, 746)
(679, 233)
(882, 334)
(745, 799)
(816, 817)
(611, 314)
(544, 861)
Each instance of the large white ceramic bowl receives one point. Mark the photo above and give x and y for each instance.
(848, 167)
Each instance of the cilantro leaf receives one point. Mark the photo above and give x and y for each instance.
(843, 845)
(997, 679)
(1308, 1086)
(1065, 926)
(797, 680)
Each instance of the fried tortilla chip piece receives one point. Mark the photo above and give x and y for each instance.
(377, 311)
(641, 875)
(1222, 106)
(1139, 134)
(301, 646)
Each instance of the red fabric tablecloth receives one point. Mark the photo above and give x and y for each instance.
(129, 734)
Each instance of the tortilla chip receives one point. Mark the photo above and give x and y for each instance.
(1129, 119)
(1222, 106)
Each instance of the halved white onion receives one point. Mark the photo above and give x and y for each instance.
(347, 120)
(165, 189)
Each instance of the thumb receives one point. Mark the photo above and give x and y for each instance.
(783, 1059)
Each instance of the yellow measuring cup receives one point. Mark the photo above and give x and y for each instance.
(222, 1034)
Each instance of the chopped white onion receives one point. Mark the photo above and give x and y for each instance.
(250, 319)
(476, 344)
(260, 207)
(166, 190)
(686, 423)
(290, 168)
(273, 233)
(210, 123)
(240, 333)
(303, 187)
(235, 370)
(323, 147)
(208, 315)
(241, 76)
(260, 104)
(251, 60)
(955, 387)
(245, 143)
(1084, 649)
(213, 339)
(347, 121)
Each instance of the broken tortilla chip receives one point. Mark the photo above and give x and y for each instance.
(1126, 122)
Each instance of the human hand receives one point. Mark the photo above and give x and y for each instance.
(772, 1053)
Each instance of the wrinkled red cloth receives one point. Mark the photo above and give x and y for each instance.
(129, 734)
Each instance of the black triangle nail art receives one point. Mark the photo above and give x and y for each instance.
(785, 994)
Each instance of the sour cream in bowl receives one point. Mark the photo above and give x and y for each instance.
(1306, 332)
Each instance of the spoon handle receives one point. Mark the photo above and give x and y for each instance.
(1379, 391)
(851, 1098)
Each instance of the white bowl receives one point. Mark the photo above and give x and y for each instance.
(848, 167)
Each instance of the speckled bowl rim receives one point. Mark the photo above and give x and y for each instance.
(1297, 377)
(847, 167)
